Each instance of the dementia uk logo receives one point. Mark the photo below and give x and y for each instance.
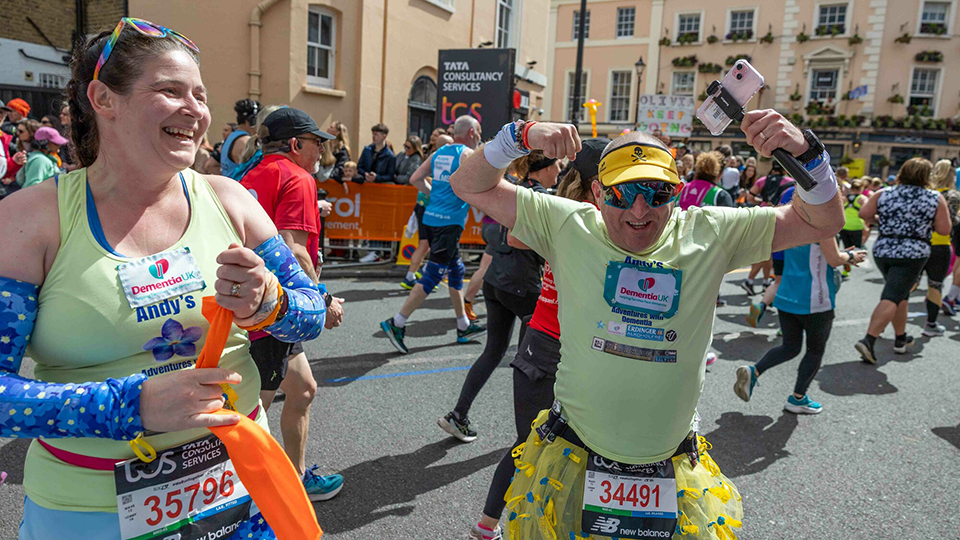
(647, 284)
(159, 268)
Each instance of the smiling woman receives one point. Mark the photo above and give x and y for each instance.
(103, 293)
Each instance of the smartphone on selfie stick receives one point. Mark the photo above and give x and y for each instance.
(724, 105)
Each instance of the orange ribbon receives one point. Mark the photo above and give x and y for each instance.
(261, 463)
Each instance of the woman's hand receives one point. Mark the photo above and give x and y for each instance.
(334, 313)
(186, 399)
(241, 281)
(20, 157)
(325, 208)
(857, 257)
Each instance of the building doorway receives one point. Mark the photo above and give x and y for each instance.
(422, 107)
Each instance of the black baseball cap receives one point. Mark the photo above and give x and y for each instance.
(587, 161)
(288, 122)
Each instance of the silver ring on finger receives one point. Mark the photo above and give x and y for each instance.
(235, 290)
(762, 136)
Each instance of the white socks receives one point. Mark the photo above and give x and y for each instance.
(463, 323)
(411, 276)
(399, 320)
(954, 293)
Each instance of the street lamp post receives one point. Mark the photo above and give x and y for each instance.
(639, 67)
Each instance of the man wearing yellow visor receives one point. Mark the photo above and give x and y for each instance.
(618, 455)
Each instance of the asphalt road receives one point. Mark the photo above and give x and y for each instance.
(881, 461)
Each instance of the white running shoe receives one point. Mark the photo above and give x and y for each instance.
(934, 331)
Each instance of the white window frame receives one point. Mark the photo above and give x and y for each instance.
(313, 80)
(693, 88)
(569, 80)
(512, 23)
(576, 26)
(848, 25)
(631, 76)
(676, 24)
(951, 13)
(730, 11)
(937, 91)
(633, 24)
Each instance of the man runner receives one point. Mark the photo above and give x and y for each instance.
(282, 184)
(636, 279)
(443, 222)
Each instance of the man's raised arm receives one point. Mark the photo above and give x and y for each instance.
(479, 180)
(811, 216)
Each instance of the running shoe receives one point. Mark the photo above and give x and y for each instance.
(321, 488)
(409, 284)
(458, 427)
(395, 333)
(802, 406)
(949, 307)
(767, 282)
(371, 256)
(711, 358)
(866, 351)
(484, 534)
(747, 286)
(756, 313)
(900, 347)
(721, 302)
(746, 380)
(473, 331)
(468, 310)
(934, 331)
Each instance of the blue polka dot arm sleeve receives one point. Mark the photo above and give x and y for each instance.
(307, 309)
(31, 409)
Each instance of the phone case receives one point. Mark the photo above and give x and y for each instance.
(742, 89)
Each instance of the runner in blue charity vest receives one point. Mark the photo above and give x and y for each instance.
(805, 302)
(443, 222)
(247, 110)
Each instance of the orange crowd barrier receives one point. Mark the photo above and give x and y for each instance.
(380, 212)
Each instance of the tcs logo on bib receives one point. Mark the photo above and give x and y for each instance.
(159, 269)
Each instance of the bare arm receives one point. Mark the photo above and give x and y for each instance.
(868, 212)
(237, 148)
(798, 223)
(941, 221)
(31, 239)
(835, 257)
(297, 240)
(419, 177)
(481, 184)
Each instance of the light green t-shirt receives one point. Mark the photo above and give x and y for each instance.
(634, 327)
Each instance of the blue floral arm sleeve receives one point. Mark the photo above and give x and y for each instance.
(31, 409)
(307, 309)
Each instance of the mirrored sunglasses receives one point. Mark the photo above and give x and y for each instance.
(655, 193)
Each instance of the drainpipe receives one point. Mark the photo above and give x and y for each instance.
(255, 24)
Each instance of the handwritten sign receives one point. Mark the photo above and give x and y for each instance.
(670, 115)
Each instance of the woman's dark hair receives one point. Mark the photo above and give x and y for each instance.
(247, 110)
(130, 53)
(915, 172)
(747, 182)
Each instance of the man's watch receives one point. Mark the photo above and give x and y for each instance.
(815, 150)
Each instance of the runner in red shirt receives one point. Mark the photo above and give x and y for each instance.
(538, 354)
(282, 183)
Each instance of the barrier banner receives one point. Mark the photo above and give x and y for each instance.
(380, 212)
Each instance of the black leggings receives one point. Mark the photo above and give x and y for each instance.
(529, 398)
(817, 327)
(937, 268)
(900, 275)
(851, 239)
(502, 309)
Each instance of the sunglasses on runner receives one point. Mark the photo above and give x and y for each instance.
(146, 28)
(655, 193)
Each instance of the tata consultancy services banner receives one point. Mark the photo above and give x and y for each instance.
(670, 115)
(477, 82)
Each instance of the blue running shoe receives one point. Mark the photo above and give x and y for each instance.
(802, 406)
(746, 380)
(473, 331)
(321, 488)
(395, 333)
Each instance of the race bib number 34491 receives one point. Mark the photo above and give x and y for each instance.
(190, 492)
(629, 501)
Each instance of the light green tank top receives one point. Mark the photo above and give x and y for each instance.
(87, 331)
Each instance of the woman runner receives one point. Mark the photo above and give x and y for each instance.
(104, 293)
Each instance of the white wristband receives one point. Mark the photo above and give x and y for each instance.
(826, 187)
(502, 150)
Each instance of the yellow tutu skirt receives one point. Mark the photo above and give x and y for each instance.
(545, 499)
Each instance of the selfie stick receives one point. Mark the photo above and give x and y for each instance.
(728, 104)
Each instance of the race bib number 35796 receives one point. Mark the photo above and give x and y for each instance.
(191, 492)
